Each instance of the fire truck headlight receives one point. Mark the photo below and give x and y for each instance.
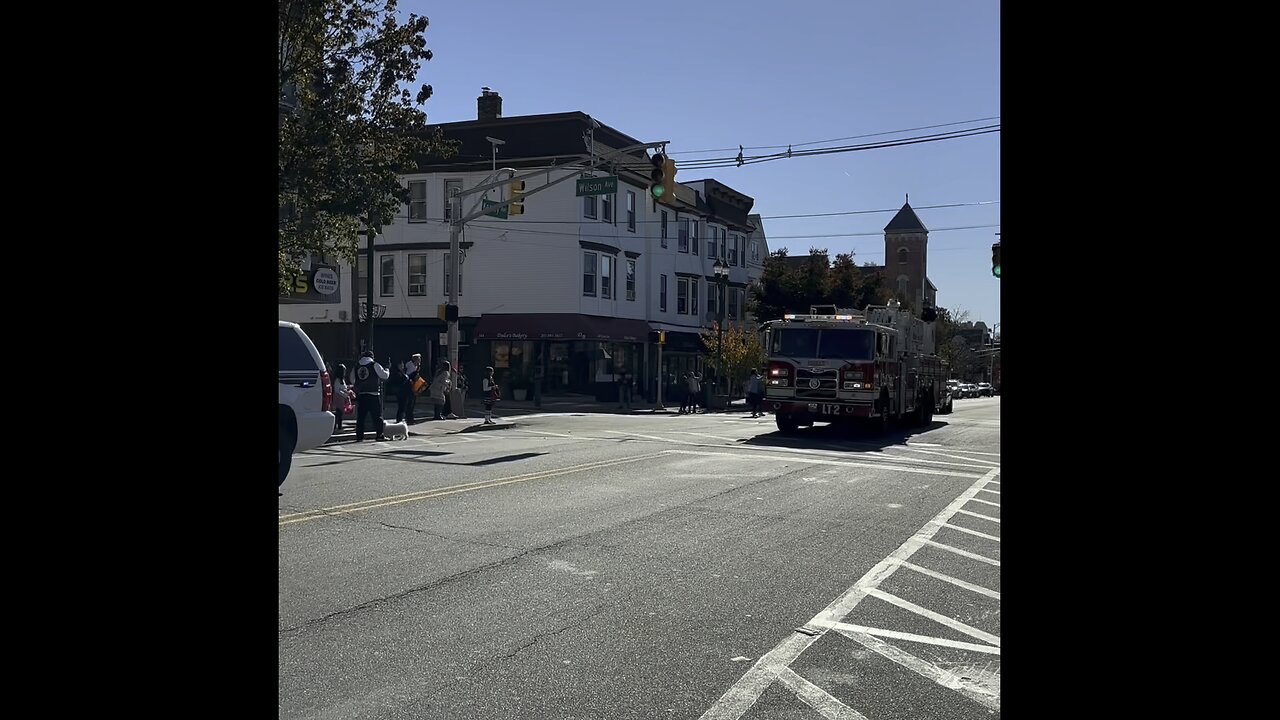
(778, 383)
(851, 385)
(780, 372)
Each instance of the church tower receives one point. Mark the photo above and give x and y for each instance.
(906, 248)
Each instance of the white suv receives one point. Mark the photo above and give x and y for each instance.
(306, 394)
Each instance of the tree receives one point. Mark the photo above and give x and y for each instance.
(790, 287)
(742, 351)
(349, 124)
(951, 347)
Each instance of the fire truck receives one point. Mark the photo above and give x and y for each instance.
(874, 367)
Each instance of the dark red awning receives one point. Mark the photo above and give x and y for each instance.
(560, 326)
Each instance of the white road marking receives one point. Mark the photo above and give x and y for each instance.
(971, 532)
(953, 580)
(848, 630)
(817, 698)
(967, 452)
(965, 553)
(980, 515)
(556, 434)
(993, 492)
(842, 453)
(945, 678)
(652, 437)
(989, 463)
(817, 460)
(934, 616)
(986, 501)
(739, 698)
(707, 435)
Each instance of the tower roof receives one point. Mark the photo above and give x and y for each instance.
(905, 221)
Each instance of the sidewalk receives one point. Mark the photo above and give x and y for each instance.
(506, 411)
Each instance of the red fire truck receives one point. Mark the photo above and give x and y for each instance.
(875, 366)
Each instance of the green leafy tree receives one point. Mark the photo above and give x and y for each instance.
(785, 288)
(951, 347)
(350, 124)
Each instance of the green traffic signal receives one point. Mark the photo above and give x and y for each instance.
(995, 260)
(656, 190)
(996, 271)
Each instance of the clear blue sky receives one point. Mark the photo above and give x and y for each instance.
(714, 74)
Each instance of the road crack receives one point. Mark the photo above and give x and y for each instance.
(539, 637)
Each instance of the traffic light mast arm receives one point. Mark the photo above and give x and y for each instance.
(590, 164)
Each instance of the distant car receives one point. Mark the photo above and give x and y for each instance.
(984, 389)
(970, 390)
(306, 396)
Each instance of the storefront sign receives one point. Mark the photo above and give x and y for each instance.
(317, 285)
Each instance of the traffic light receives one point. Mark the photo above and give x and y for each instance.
(995, 259)
(663, 177)
(515, 191)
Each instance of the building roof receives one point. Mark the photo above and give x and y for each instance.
(905, 221)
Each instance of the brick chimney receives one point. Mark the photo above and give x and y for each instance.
(488, 105)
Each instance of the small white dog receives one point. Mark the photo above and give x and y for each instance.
(396, 430)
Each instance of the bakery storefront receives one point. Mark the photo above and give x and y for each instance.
(559, 354)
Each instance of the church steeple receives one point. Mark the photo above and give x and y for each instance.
(906, 221)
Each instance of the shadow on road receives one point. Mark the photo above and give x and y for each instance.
(842, 437)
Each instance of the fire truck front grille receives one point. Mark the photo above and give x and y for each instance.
(826, 382)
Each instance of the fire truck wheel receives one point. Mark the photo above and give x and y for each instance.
(786, 423)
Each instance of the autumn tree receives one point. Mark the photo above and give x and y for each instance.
(742, 352)
(350, 122)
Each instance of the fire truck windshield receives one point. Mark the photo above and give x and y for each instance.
(831, 344)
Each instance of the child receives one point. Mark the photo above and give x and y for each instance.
(491, 395)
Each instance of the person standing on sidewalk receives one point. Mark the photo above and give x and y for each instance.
(409, 393)
(369, 377)
(491, 395)
(340, 398)
(755, 392)
(440, 385)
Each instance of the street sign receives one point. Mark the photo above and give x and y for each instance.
(606, 185)
(501, 213)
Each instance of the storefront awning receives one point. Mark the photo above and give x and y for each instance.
(559, 326)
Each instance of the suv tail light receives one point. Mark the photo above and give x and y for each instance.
(326, 399)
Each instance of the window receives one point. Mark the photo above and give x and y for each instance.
(388, 276)
(589, 274)
(693, 297)
(682, 296)
(631, 279)
(742, 250)
(417, 274)
(713, 296)
(589, 206)
(693, 233)
(733, 249)
(723, 233)
(664, 228)
(447, 267)
(733, 303)
(606, 208)
(711, 243)
(755, 251)
(683, 245)
(631, 211)
(662, 293)
(902, 283)
(449, 186)
(606, 276)
(902, 255)
(417, 200)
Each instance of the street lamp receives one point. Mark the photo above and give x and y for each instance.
(722, 281)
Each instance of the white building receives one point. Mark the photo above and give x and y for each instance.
(571, 289)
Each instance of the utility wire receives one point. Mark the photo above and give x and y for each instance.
(851, 137)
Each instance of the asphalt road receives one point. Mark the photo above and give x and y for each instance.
(613, 566)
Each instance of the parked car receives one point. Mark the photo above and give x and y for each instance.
(306, 396)
(984, 389)
(970, 390)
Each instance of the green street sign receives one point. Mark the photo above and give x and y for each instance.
(606, 185)
(500, 213)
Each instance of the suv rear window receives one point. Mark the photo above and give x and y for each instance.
(294, 353)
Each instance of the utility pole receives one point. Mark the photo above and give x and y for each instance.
(369, 285)
(455, 274)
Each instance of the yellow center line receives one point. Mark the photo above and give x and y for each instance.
(452, 489)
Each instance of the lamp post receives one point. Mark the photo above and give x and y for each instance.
(722, 281)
